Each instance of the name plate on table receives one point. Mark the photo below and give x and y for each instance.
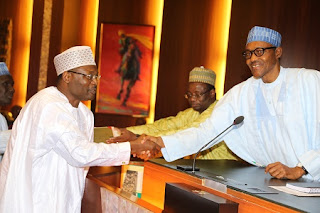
(215, 185)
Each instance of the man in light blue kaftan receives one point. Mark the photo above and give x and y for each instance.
(281, 109)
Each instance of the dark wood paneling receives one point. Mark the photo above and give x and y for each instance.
(55, 39)
(36, 38)
(35, 48)
(183, 47)
(7, 8)
(296, 20)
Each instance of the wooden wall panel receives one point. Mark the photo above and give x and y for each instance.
(35, 47)
(183, 44)
(55, 39)
(296, 20)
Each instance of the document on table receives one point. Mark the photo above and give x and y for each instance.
(294, 192)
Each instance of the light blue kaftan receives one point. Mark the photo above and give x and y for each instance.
(281, 122)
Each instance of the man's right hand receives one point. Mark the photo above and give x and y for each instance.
(144, 149)
(157, 140)
(125, 135)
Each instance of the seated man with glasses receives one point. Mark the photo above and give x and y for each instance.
(201, 96)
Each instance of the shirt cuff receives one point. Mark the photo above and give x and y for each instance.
(171, 151)
(124, 153)
(308, 160)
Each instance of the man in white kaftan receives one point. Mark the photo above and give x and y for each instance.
(51, 147)
(6, 94)
(281, 128)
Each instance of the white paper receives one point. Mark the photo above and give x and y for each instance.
(294, 192)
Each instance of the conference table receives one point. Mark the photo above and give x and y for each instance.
(236, 181)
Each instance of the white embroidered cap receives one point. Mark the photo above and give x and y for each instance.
(72, 58)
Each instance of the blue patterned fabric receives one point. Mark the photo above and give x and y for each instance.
(264, 34)
(4, 69)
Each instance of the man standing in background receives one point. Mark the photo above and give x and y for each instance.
(6, 94)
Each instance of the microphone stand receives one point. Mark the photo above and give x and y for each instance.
(195, 157)
(238, 120)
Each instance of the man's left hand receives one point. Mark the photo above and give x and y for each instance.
(280, 171)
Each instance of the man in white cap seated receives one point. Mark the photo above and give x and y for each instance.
(6, 94)
(51, 146)
(281, 128)
(201, 96)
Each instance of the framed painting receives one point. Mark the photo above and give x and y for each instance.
(125, 64)
(5, 40)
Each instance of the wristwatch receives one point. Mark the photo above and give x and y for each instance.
(302, 167)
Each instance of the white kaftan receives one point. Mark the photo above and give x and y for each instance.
(3, 123)
(44, 166)
(4, 135)
(281, 122)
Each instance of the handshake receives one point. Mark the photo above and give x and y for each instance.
(144, 146)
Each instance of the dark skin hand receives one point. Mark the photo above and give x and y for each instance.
(144, 150)
(281, 171)
(126, 135)
(157, 140)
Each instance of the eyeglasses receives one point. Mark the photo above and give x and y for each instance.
(88, 76)
(189, 95)
(258, 52)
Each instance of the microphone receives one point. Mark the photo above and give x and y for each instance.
(236, 121)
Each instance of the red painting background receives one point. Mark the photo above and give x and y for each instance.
(110, 82)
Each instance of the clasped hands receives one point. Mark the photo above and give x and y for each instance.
(144, 147)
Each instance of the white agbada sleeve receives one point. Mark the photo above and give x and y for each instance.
(309, 149)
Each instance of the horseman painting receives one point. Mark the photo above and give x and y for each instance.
(126, 54)
(129, 68)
